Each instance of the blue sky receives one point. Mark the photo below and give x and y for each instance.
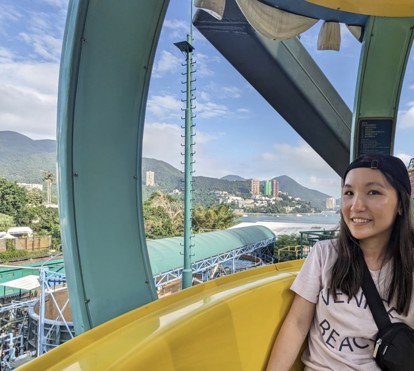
(237, 132)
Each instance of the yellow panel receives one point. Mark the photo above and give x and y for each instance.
(384, 8)
(226, 324)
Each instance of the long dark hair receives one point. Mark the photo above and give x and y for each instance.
(347, 271)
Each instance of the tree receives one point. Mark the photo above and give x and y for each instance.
(46, 222)
(13, 201)
(163, 216)
(6, 222)
(212, 218)
(48, 178)
(284, 240)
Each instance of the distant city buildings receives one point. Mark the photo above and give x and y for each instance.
(255, 187)
(30, 186)
(275, 188)
(150, 179)
(271, 188)
(331, 203)
(268, 188)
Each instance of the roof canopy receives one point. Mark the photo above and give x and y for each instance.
(30, 282)
(166, 253)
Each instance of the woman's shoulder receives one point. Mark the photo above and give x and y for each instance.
(331, 244)
(326, 249)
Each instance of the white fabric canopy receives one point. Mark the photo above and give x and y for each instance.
(213, 7)
(29, 282)
(329, 36)
(278, 24)
(272, 22)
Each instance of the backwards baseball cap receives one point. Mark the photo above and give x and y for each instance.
(390, 165)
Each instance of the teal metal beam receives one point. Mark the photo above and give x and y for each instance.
(107, 58)
(187, 277)
(386, 46)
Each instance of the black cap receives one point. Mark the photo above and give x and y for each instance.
(391, 165)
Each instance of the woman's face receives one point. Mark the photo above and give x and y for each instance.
(369, 206)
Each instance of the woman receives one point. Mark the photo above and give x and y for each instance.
(329, 304)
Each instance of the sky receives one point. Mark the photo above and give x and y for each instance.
(237, 131)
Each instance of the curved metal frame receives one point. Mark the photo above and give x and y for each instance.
(105, 71)
(386, 47)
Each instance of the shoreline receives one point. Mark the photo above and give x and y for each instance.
(289, 228)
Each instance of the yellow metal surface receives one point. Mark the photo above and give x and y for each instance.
(226, 324)
(384, 8)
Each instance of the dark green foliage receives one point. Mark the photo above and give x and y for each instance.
(164, 217)
(6, 222)
(46, 222)
(13, 254)
(13, 201)
(287, 240)
(213, 218)
(25, 208)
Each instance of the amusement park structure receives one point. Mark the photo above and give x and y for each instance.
(106, 65)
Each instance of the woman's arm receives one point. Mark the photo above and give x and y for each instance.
(291, 335)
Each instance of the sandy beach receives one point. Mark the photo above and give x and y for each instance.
(288, 228)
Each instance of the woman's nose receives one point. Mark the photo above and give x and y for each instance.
(358, 203)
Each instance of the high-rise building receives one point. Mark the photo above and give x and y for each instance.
(330, 203)
(411, 175)
(150, 179)
(275, 188)
(268, 188)
(255, 187)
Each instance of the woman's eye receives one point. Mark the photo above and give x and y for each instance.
(347, 193)
(373, 192)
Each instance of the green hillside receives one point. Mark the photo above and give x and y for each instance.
(23, 160)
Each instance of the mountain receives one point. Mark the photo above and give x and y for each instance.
(232, 177)
(316, 198)
(168, 178)
(23, 159)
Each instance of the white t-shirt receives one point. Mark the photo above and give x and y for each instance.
(343, 331)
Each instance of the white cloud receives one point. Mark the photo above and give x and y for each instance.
(28, 99)
(6, 55)
(203, 64)
(162, 141)
(175, 29)
(166, 63)
(208, 109)
(232, 91)
(300, 162)
(165, 106)
(406, 118)
(45, 46)
(62, 4)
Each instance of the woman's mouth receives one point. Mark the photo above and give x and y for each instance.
(360, 220)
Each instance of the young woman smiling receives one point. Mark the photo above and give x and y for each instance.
(329, 308)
